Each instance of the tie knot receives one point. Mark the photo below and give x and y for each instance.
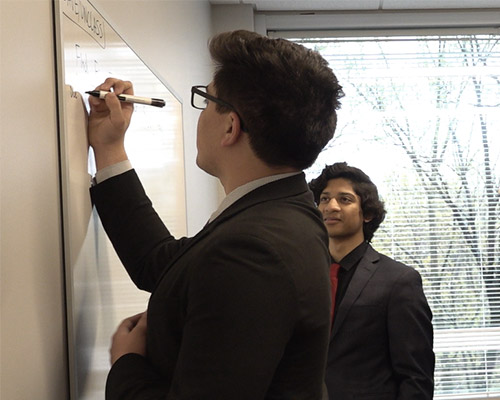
(334, 269)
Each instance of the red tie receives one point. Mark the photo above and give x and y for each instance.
(334, 273)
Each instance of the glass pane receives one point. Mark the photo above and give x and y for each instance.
(428, 137)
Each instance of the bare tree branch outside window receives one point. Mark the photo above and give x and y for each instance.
(422, 117)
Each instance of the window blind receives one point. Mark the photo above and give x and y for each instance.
(421, 117)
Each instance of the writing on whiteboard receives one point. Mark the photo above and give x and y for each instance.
(86, 17)
(82, 61)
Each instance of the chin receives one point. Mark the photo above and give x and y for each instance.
(199, 163)
(205, 168)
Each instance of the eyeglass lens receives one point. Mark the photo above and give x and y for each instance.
(198, 100)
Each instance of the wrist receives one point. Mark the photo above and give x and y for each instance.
(105, 158)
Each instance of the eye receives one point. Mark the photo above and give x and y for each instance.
(324, 199)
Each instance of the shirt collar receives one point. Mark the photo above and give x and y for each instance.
(354, 256)
(242, 190)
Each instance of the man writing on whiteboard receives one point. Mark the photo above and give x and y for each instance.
(232, 314)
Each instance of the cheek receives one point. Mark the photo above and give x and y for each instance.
(199, 128)
(360, 219)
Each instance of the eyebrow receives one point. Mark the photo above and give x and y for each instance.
(340, 194)
(347, 193)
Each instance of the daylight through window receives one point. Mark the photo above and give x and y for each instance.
(421, 116)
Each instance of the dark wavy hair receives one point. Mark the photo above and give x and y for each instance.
(371, 204)
(285, 94)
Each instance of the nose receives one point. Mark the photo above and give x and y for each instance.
(332, 205)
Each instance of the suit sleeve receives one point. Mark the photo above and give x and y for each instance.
(411, 338)
(141, 240)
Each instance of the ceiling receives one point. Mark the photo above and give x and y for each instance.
(361, 5)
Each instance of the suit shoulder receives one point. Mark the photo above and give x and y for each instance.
(393, 266)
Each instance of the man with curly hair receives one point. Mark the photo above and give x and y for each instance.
(382, 336)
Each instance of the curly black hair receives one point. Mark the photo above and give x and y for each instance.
(371, 204)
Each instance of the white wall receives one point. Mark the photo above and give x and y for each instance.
(32, 315)
(169, 35)
(228, 17)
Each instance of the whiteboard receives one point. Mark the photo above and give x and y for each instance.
(98, 290)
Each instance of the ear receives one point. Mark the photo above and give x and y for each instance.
(367, 219)
(233, 129)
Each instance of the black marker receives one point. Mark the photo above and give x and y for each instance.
(130, 98)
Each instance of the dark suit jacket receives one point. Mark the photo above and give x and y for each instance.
(382, 336)
(239, 311)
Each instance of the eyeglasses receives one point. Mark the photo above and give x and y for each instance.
(200, 97)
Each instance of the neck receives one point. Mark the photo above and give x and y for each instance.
(339, 248)
(238, 164)
(240, 174)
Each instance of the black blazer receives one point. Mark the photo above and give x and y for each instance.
(239, 311)
(382, 337)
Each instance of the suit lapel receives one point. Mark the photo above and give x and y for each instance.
(365, 270)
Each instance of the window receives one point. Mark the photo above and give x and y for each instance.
(421, 116)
